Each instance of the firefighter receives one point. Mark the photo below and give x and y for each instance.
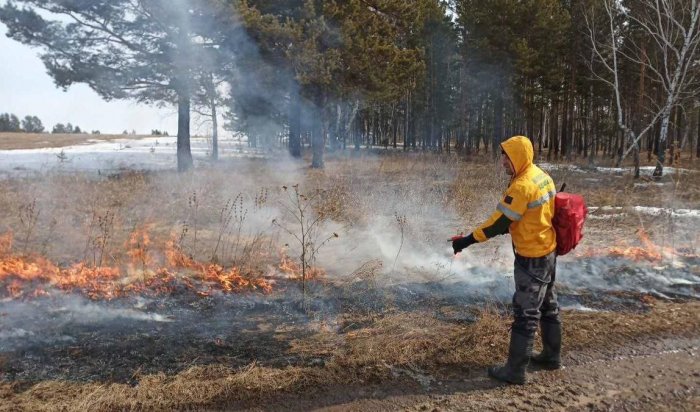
(526, 212)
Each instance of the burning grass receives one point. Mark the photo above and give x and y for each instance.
(141, 275)
(393, 342)
(647, 251)
(131, 236)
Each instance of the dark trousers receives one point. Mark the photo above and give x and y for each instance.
(535, 298)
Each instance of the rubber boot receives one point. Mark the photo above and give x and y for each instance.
(550, 357)
(518, 357)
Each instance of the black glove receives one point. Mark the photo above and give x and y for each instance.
(462, 243)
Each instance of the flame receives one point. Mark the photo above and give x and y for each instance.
(649, 251)
(229, 280)
(176, 258)
(293, 271)
(142, 274)
(137, 247)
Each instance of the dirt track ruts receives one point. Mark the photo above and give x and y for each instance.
(646, 376)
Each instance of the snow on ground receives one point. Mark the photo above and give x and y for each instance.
(646, 210)
(152, 153)
(644, 171)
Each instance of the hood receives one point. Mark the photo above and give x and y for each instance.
(520, 152)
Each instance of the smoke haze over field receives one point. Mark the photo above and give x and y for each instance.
(370, 267)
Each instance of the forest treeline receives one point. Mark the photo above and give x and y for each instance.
(9, 122)
(582, 79)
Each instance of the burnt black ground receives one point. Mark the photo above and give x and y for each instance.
(69, 337)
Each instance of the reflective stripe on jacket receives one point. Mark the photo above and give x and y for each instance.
(528, 202)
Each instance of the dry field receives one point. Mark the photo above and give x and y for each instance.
(202, 270)
(14, 141)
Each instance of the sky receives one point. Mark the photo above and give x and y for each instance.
(26, 89)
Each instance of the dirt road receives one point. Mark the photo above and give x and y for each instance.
(647, 376)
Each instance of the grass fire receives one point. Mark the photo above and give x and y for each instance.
(160, 285)
(244, 205)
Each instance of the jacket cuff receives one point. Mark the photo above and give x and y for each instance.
(479, 235)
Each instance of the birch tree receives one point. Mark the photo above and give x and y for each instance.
(669, 57)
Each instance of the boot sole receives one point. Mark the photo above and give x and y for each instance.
(504, 380)
(546, 366)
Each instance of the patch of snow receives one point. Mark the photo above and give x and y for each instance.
(647, 210)
(645, 171)
(607, 217)
(657, 211)
(606, 212)
(559, 166)
(667, 170)
(152, 153)
(613, 170)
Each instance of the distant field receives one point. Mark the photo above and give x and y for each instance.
(14, 141)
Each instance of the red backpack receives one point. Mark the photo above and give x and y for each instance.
(570, 213)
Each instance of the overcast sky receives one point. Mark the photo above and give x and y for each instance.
(26, 89)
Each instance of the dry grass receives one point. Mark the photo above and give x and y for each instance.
(458, 193)
(411, 341)
(419, 340)
(357, 189)
(14, 141)
(68, 207)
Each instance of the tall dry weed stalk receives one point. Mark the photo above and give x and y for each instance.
(260, 199)
(193, 204)
(225, 217)
(304, 230)
(402, 222)
(138, 246)
(105, 226)
(28, 216)
(240, 214)
(49, 236)
(88, 237)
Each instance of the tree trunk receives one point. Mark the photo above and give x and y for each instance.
(697, 141)
(678, 140)
(481, 127)
(553, 135)
(638, 119)
(214, 133)
(184, 153)
(407, 121)
(394, 125)
(635, 154)
(565, 127)
(319, 137)
(294, 119)
(541, 134)
(497, 124)
(318, 145)
(530, 116)
(350, 122)
(661, 151)
(673, 132)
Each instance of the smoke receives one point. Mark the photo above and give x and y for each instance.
(403, 222)
(49, 321)
(601, 274)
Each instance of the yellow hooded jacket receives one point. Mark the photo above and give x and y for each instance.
(528, 203)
